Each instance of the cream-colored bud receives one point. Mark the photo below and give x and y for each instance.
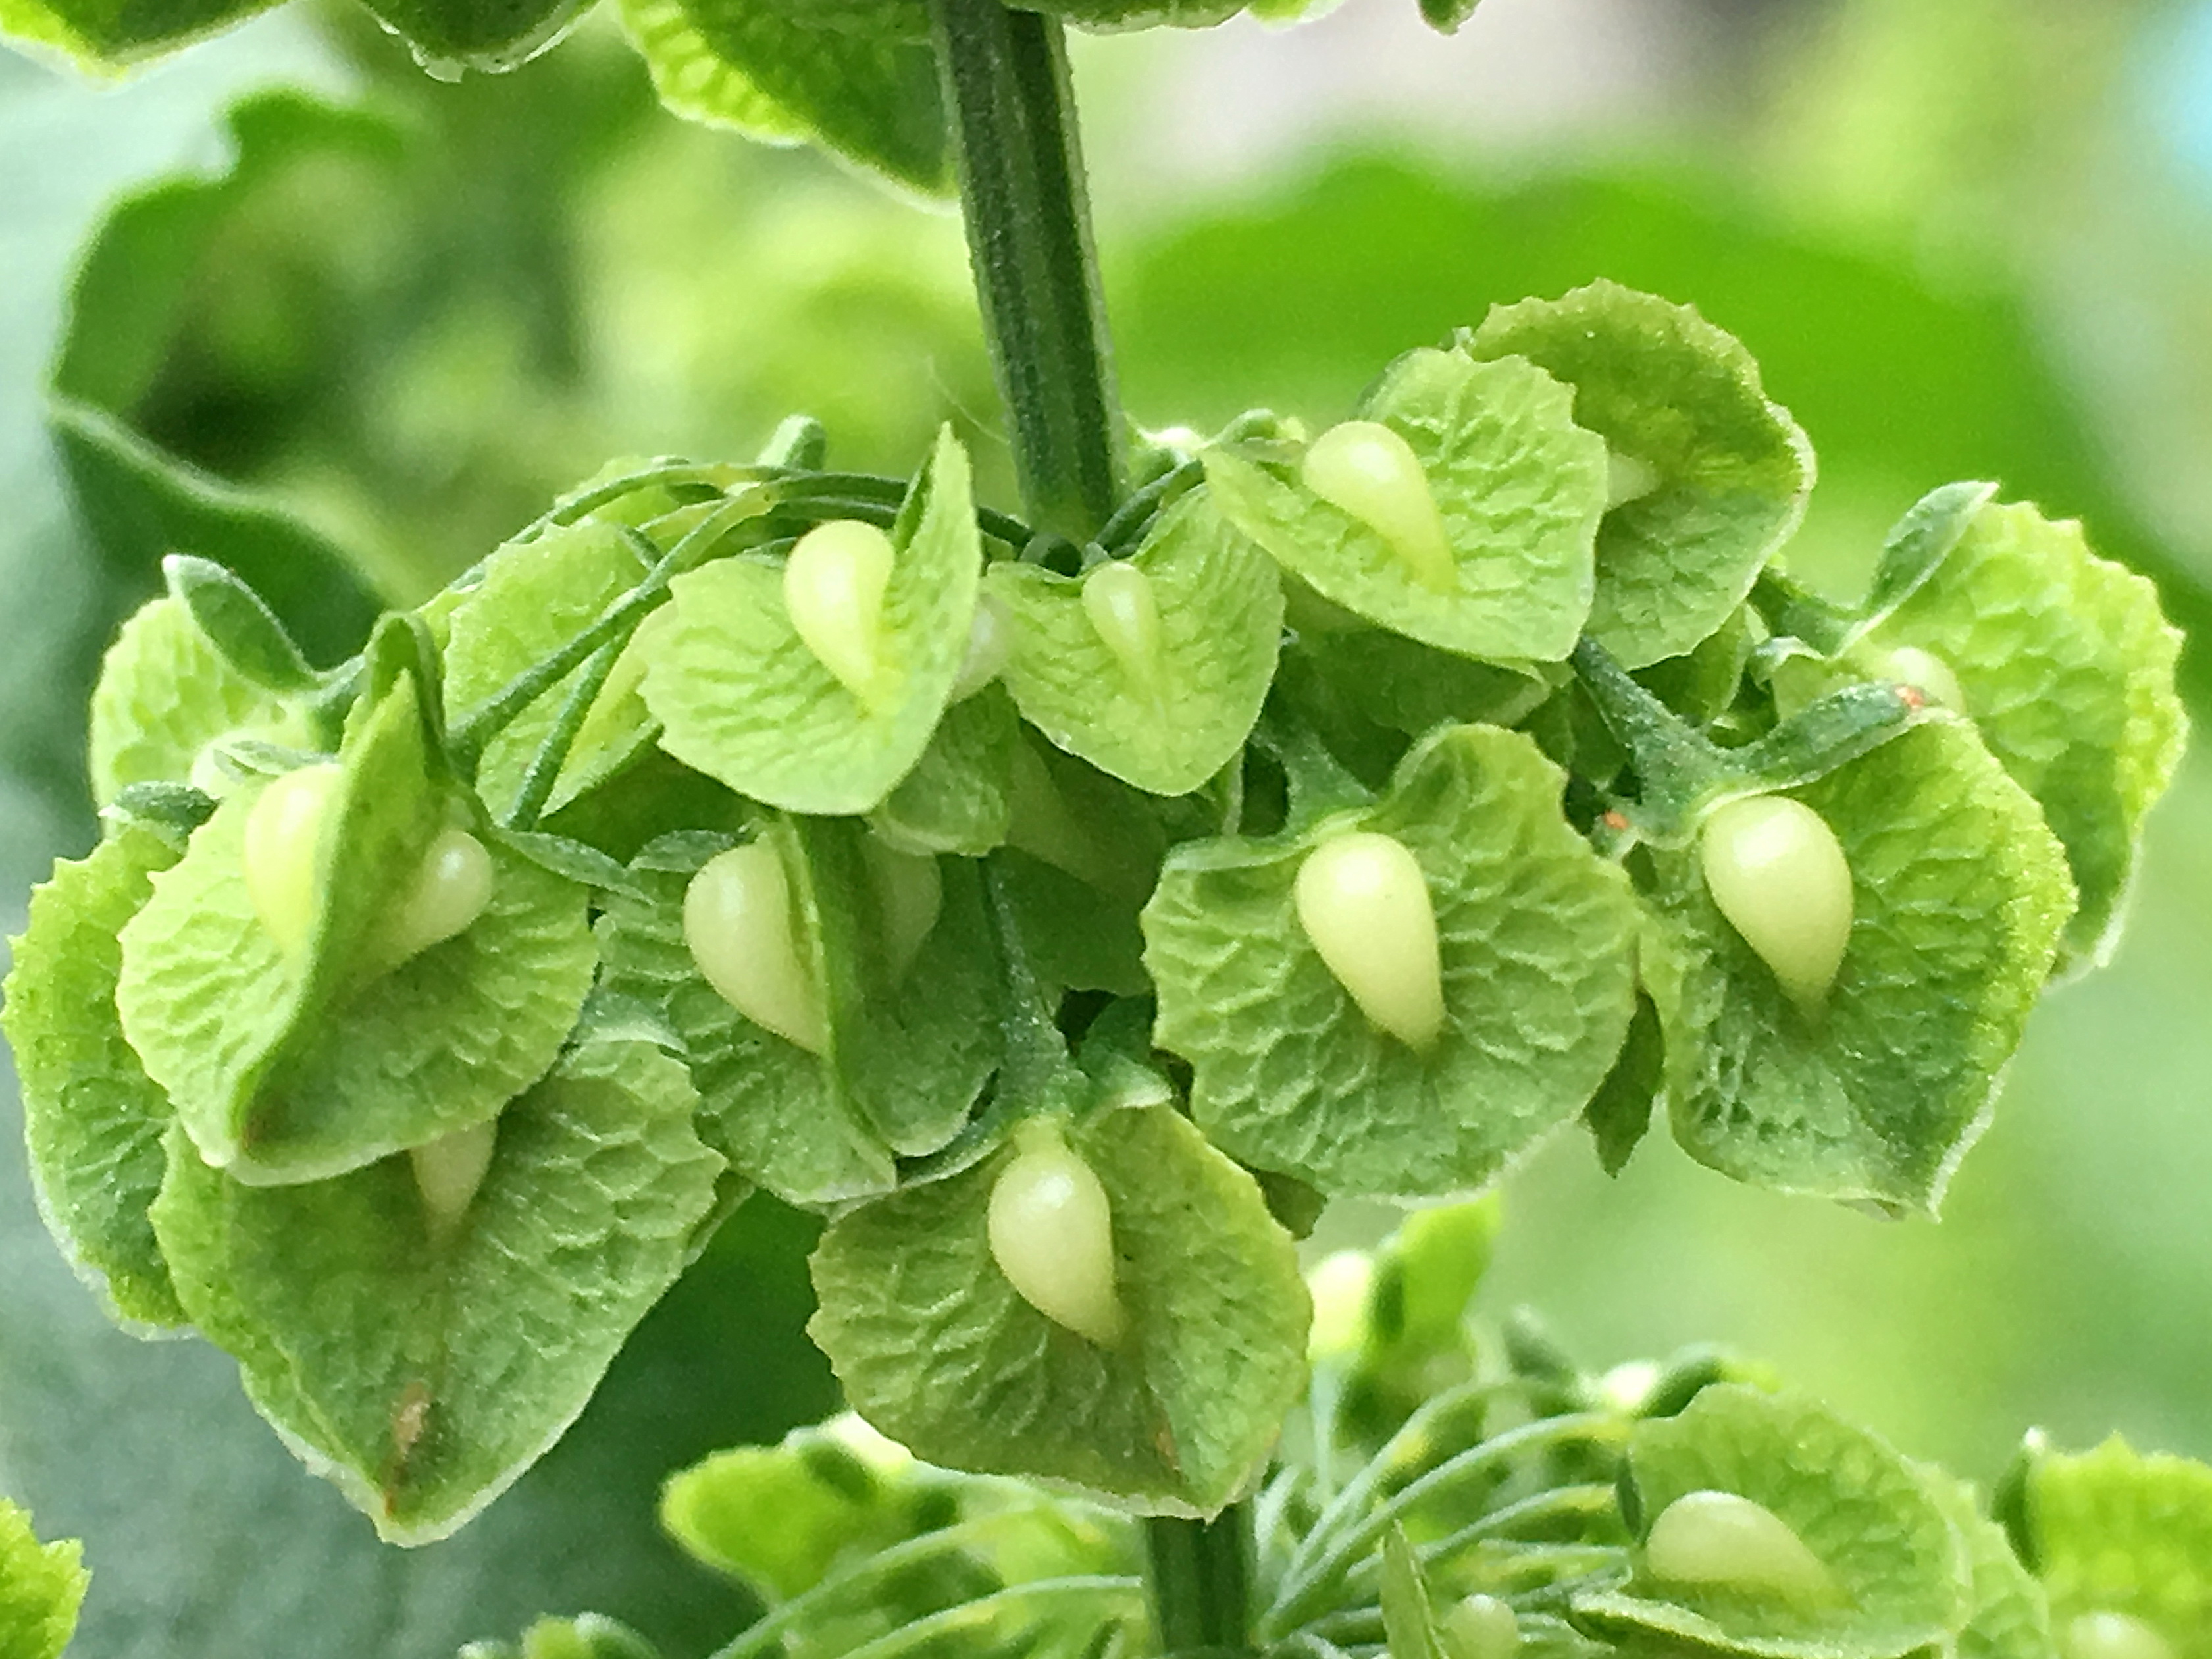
(1118, 598)
(832, 588)
(1365, 905)
(1367, 470)
(737, 921)
(283, 837)
(1778, 875)
(1052, 1234)
(1720, 1541)
(449, 1170)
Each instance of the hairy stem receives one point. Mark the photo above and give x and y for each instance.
(1201, 1580)
(1012, 111)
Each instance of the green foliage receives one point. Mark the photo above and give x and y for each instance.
(934, 1346)
(93, 1120)
(40, 1586)
(786, 74)
(422, 1374)
(1520, 486)
(1291, 1075)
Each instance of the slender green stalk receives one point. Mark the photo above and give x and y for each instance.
(1201, 1580)
(1012, 112)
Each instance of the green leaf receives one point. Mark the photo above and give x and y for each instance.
(2068, 668)
(1409, 1619)
(912, 1041)
(772, 1110)
(744, 700)
(165, 694)
(447, 36)
(1077, 936)
(1412, 688)
(1678, 400)
(1900, 1569)
(419, 1376)
(959, 797)
(1959, 893)
(105, 39)
(843, 76)
(1534, 932)
(93, 1121)
(294, 1068)
(936, 1349)
(534, 597)
(41, 1586)
(1521, 487)
(1445, 16)
(783, 1518)
(237, 624)
(141, 505)
(1619, 1113)
(2011, 1617)
(1166, 718)
(2116, 1530)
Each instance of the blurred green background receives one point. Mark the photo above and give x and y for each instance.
(1966, 238)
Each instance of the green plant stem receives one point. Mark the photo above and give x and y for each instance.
(1012, 112)
(1201, 1580)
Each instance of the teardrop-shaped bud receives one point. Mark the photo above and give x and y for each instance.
(1363, 903)
(2113, 1635)
(1364, 469)
(1052, 1234)
(451, 888)
(1628, 477)
(1118, 598)
(1925, 672)
(990, 644)
(1482, 1627)
(910, 893)
(833, 587)
(738, 922)
(448, 1171)
(1719, 1541)
(1777, 873)
(284, 834)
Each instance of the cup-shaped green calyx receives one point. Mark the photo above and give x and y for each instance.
(1118, 598)
(1365, 905)
(284, 835)
(1367, 470)
(449, 1170)
(1777, 873)
(1052, 1236)
(833, 587)
(2113, 1636)
(1482, 1627)
(1719, 1541)
(738, 922)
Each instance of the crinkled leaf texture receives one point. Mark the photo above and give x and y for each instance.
(41, 1587)
(1521, 487)
(93, 1121)
(2068, 668)
(1959, 893)
(296, 1068)
(533, 598)
(906, 1059)
(1901, 1570)
(855, 85)
(1534, 930)
(422, 1377)
(1169, 726)
(2117, 1530)
(744, 700)
(2011, 1617)
(936, 1349)
(1730, 470)
(165, 694)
